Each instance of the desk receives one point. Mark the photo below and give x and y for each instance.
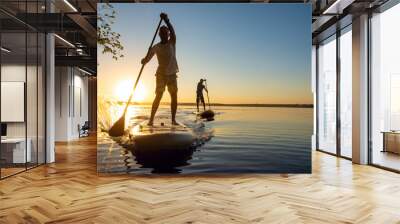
(15, 148)
(391, 141)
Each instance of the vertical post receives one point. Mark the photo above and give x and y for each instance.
(37, 90)
(50, 92)
(316, 97)
(360, 90)
(338, 76)
(0, 95)
(26, 108)
(314, 91)
(369, 90)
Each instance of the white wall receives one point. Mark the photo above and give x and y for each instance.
(71, 94)
(62, 81)
(81, 103)
(33, 126)
(12, 73)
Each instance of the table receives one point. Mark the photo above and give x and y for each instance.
(15, 148)
(391, 141)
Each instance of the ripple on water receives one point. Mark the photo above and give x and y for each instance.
(264, 140)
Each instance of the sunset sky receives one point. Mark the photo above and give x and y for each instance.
(249, 53)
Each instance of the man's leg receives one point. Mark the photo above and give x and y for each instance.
(160, 87)
(173, 91)
(197, 103)
(204, 104)
(154, 107)
(174, 106)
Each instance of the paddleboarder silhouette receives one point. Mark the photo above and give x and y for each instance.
(166, 74)
(199, 94)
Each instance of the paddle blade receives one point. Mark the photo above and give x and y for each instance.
(118, 129)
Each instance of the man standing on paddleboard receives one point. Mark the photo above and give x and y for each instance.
(199, 93)
(167, 68)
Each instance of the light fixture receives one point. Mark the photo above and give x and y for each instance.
(5, 50)
(337, 7)
(84, 71)
(64, 40)
(70, 5)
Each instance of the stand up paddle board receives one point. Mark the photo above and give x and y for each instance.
(207, 114)
(162, 144)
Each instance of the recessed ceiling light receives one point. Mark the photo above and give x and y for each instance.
(337, 7)
(70, 5)
(84, 71)
(64, 40)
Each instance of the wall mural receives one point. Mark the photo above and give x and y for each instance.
(204, 88)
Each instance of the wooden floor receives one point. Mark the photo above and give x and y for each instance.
(70, 191)
(387, 159)
(10, 171)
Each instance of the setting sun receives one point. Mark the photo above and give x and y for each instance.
(124, 89)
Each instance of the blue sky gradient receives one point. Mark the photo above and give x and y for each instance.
(249, 53)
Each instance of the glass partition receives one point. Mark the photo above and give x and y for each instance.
(14, 153)
(22, 92)
(41, 97)
(31, 98)
(327, 95)
(346, 92)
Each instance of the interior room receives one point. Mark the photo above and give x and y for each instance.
(45, 88)
(22, 100)
(48, 150)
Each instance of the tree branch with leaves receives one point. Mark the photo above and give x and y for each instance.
(106, 37)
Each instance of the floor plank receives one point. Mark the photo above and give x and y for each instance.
(70, 191)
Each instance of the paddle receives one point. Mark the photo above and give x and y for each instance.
(118, 128)
(208, 114)
(208, 98)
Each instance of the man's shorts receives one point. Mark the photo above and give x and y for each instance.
(200, 98)
(166, 80)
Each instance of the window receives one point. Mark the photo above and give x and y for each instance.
(327, 95)
(346, 92)
(385, 89)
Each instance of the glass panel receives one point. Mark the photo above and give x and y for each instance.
(23, 90)
(346, 93)
(327, 95)
(13, 85)
(41, 98)
(385, 89)
(31, 98)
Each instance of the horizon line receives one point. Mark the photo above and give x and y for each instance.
(300, 105)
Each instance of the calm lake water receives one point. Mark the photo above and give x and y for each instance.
(239, 140)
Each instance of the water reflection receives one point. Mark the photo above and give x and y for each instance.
(263, 140)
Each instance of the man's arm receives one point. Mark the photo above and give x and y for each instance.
(204, 87)
(172, 35)
(149, 56)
